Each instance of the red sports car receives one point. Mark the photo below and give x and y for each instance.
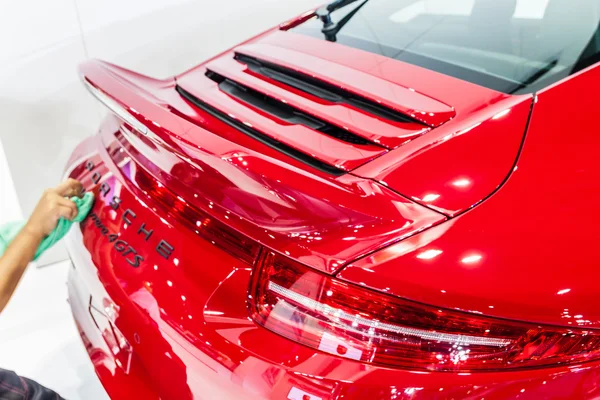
(382, 199)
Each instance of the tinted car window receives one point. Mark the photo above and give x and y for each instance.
(514, 46)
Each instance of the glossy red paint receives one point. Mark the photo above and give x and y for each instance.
(327, 149)
(384, 132)
(523, 253)
(227, 174)
(476, 145)
(526, 252)
(453, 168)
(410, 102)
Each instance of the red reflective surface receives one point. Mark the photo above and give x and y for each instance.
(458, 165)
(161, 277)
(291, 50)
(385, 132)
(272, 198)
(450, 168)
(327, 149)
(527, 252)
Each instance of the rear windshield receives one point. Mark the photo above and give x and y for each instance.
(513, 46)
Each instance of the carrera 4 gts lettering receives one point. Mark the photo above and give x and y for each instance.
(122, 247)
(133, 258)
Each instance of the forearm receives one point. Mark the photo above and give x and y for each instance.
(14, 261)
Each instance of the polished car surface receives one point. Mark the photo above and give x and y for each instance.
(384, 199)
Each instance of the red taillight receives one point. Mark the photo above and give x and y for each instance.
(350, 321)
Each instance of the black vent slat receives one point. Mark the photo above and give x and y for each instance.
(321, 89)
(257, 135)
(271, 106)
(301, 85)
(284, 111)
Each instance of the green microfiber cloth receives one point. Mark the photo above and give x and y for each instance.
(10, 230)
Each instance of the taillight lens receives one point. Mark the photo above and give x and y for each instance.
(350, 321)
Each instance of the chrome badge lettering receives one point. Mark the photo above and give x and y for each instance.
(131, 255)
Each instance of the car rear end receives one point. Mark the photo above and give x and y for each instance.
(231, 199)
(161, 284)
(171, 303)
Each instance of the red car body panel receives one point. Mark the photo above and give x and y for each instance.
(453, 168)
(287, 207)
(377, 130)
(516, 253)
(163, 311)
(474, 143)
(324, 148)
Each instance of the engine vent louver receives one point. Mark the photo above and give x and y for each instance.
(283, 111)
(321, 89)
(267, 140)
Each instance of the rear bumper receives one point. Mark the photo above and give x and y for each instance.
(208, 374)
(194, 379)
(117, 384)
(136, 382)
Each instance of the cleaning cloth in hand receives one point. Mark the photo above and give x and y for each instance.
(10, 230)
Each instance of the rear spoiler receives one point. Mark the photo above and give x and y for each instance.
(320, 220)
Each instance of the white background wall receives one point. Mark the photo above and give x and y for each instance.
(45, 112)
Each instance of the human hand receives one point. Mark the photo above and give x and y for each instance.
(53, 205)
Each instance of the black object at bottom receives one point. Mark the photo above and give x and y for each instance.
(15, 387)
